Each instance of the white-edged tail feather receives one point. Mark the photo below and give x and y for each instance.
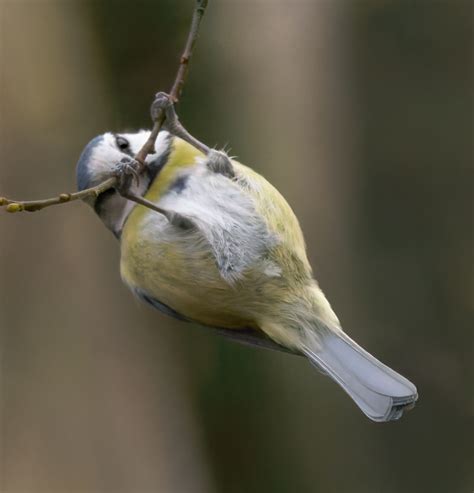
(380, 392)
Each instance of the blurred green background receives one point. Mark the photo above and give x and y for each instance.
(360, 112)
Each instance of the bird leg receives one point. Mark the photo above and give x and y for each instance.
(128, 170)
(174, 218)
(163, 103)
(217, 161)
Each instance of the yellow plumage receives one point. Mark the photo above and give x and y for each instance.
(188, 279)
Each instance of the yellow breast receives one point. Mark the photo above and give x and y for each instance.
(185, 276)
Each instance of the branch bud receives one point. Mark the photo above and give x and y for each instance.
(64, 197)
(14, 207)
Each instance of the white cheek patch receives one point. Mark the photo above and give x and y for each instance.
(104, 157)
(137, 140)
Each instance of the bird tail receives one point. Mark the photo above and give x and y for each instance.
(380, 392)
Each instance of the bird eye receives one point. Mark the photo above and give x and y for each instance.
(122, 143)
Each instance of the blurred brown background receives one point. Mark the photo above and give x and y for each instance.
(360, 112)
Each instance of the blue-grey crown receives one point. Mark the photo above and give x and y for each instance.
(83, 174)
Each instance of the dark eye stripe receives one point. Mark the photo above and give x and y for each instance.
(123, 144)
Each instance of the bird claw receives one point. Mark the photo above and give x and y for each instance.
(219, 162)
(162, 104)
(127, 171)
(162, 111)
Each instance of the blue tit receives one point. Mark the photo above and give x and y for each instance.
(228, 253)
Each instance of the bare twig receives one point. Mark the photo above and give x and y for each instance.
(180, 78)
(147, 148)
(37, 205)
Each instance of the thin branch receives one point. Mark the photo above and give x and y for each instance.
(180, 79)
(147, 148)
(37, 205)
(182, 74)
(142, 201)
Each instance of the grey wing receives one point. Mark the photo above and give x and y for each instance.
(225, 217)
